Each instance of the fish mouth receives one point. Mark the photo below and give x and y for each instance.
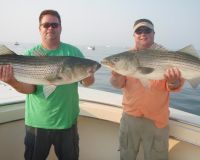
(92, 70)
(105, 62)
(98, 66)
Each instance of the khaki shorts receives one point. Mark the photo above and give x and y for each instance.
(141, 131)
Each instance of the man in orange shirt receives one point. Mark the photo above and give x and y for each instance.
(145, 109)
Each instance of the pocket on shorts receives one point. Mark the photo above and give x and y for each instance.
(123, 135)
(160, 142)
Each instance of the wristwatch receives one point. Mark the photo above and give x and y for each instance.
(174, 84)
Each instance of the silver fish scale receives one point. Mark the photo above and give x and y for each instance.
(35, 71)
(33, 68)
(173, 59)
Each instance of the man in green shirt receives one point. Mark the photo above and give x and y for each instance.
(53, 120)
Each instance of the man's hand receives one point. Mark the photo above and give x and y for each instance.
(173, 78)
(6, 74)
(117, 80)
(88, 81)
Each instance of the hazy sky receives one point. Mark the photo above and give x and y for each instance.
(104, 22)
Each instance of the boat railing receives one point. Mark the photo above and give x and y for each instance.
(183, 126)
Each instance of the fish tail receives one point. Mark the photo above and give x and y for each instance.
(5, 50)
(194, 82)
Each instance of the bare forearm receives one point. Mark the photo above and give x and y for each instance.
(7, 76)
(23, 87)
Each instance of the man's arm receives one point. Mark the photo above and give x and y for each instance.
(6, 75)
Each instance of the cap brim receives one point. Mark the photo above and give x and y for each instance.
(141, 24)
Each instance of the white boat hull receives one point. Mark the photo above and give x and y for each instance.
(98, 126)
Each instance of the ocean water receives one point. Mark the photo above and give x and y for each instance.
(187, 100)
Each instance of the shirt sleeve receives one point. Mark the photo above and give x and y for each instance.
(27, 53)
(80, 54)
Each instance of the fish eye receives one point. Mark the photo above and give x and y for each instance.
(116, 59)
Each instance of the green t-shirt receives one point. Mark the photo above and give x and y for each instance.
(61, 109)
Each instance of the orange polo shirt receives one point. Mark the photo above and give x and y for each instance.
(151, 102)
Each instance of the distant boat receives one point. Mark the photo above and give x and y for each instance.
(16, 43)
(91, 47)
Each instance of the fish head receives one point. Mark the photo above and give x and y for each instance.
(78, 69)
(88, 66)
(123, 63)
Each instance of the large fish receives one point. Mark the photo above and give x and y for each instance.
(151, 64)
(48, 70)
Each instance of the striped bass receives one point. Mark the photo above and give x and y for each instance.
(151, 64)
(48, 70)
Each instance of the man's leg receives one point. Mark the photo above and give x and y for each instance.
(155, 141)
(37, 144)
(130, 137)
(66, 143)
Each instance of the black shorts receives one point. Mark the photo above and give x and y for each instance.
(38, 143)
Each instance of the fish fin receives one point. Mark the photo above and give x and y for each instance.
(194, 82)
(6, 51)
(144, 81)
(38, 52)
(189, 50)
(48, 90)
(168, 67)
(145, 70)
(157, 47)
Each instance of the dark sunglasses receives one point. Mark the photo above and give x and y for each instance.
(53, 25)
(143, 30)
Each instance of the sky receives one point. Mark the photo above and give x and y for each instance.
(104, 22)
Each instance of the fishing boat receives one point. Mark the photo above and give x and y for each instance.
(91, 47)
(16, 43)
(98, 126)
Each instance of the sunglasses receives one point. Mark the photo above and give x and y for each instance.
(143, 30)
(53, 25)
